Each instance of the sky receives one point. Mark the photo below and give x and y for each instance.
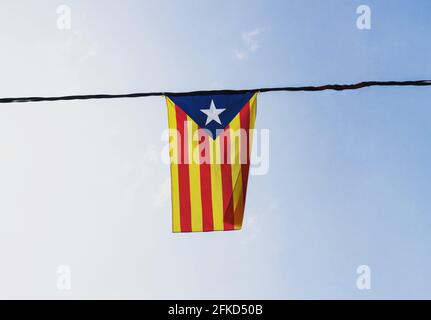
(83, 186)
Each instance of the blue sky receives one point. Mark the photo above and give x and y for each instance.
(82, 183)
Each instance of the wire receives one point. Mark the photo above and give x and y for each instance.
(337, 87)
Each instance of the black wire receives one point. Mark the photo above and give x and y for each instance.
(337, 87)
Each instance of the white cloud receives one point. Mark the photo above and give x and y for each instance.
(240, 55)
(162, 194)
(251, 39)
(251, 43)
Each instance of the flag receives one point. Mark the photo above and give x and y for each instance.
(210, 139)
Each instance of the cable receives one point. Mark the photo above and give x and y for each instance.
(337, 87)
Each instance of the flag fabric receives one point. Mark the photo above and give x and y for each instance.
(209, 147)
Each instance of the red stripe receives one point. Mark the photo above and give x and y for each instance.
(205, 170)
(244, 118)
(226, 178)
(183, 173)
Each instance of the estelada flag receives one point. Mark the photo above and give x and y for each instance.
(210, 145)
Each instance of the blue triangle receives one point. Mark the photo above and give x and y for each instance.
(232, 103)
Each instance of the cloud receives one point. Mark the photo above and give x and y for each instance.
(240, 55)
(251, 43)
(250, 229)
(251, 39)
(162, 196)
(79, 48)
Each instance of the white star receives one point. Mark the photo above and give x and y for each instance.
(212, 113)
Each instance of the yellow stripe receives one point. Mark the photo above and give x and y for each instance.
(173, 154)
(216, 184)
(195, 175)
(235, 142)
(253, 104)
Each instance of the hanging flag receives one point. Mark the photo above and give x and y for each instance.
(210, 145)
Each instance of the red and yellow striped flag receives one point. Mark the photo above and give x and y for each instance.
(210, 145)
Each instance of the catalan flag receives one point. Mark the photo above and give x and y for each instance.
(210, 145)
